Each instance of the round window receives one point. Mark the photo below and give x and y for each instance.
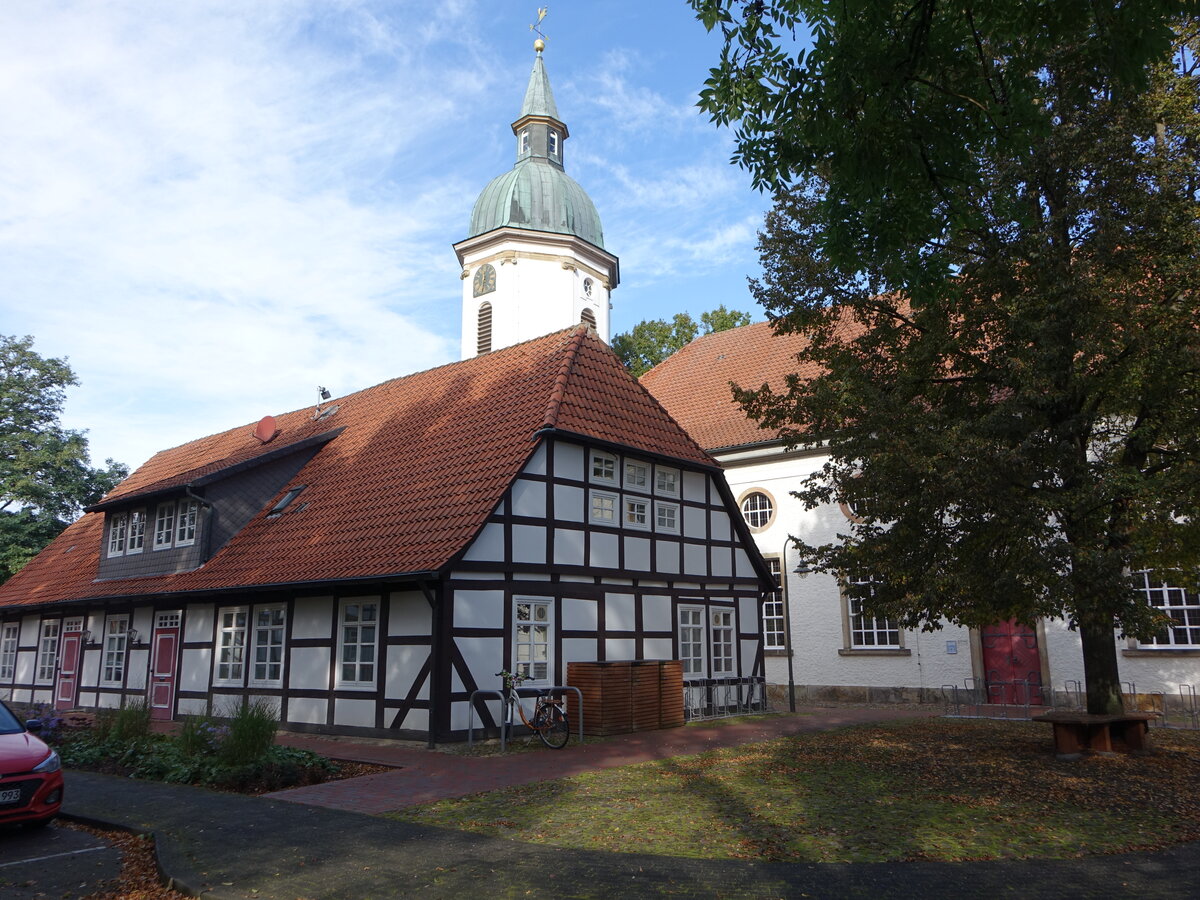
(587, 287)
(757, 509)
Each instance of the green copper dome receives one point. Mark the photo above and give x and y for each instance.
(536, 193)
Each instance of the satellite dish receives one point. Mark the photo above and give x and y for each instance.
(266, 429)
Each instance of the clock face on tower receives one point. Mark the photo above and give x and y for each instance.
(485, 280)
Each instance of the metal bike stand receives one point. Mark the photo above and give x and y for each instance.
(529, 692)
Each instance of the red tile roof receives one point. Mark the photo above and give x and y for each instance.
(420, 463)
(694, 383)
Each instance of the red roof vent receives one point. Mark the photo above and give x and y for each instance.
(265, 431)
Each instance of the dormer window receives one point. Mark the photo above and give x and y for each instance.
(164, 526)
(136, 538)
(552, 143)
(523, 142)
(118, 527)
(185, 525)
(126, 532)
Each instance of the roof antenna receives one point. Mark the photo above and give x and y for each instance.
(322, 395)
(540, 44)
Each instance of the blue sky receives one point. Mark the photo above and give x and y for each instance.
(212, 206)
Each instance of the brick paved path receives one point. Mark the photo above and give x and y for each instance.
(425, 775)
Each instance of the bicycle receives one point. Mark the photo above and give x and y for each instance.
(549, 718)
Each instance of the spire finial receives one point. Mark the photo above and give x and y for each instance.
(540, 44)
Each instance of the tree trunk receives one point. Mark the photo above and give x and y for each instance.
(1101, 677)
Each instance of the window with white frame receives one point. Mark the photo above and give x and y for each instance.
(691, 641)
(1179, 605)
(721, 634)
(164, 526)
(773, 621)
(47, 658)
(666, 481)
(666, 517)
(116, 637)
(136, 539)
(8, 650)
(757, 509)
(637, 476)
(357, 643)
(532, 624)
(231, 645)
(868, 632)
(118, 529)
(267, 645)
(636, 513)
(523, 141)
(603, 508)
(185, 523)
(552, 142)
(603, 467)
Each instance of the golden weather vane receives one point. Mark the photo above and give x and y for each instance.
(540, 44)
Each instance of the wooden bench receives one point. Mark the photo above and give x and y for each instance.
(1077, 733)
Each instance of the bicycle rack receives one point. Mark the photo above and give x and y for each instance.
(521, 692)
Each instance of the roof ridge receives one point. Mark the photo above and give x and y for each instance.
(559, 389)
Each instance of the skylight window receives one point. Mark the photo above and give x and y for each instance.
(284, 502)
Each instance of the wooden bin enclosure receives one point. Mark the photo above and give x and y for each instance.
(619, 697)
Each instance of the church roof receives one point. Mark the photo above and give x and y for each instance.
(694, 383)
(536, 194)
(402, 477)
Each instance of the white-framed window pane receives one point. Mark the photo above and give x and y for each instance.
(118, 526)
(268, 635)
(603, 467)
(637, 476)
(359, 634)
(185, 525)
(722, 641)
(666, 517)
(8, 651)
(757, 509)
(636, 513)
(553, 141)
(666, 481)
(164, 526)
(531, 639)
(603, 508)
(691, 641)
(137, 531)
(866, 631)
(1179, 605)
(116, 635)
(773, 619)
(47, 651)
(231, 645)
(524, 141)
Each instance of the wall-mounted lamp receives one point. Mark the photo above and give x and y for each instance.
(133, 635)
(87, 635)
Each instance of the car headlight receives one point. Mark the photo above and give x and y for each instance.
(50, 764)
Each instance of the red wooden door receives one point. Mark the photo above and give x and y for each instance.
(1011, 664)
(68, 670)
(163, 665)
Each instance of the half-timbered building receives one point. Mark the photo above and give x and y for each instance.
(366, 566)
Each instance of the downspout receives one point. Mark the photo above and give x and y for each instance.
(212, 519)
(787, 630)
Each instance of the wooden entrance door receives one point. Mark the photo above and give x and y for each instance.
(66, 686)
(1012, 665)
(164, 665)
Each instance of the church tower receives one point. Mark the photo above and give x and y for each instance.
(533, 260)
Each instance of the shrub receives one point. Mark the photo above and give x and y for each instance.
(200, 736)
(251, 734)
(128, 725)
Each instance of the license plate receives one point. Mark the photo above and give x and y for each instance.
(10, 796)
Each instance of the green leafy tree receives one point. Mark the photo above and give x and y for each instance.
(987, 225)
(651, 341)
(45, 477)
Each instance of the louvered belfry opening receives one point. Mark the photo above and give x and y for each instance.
(484, 332)
(588, 318)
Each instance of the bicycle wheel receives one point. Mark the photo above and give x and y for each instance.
(552, 726)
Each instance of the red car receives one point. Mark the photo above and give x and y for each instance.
(31, 782)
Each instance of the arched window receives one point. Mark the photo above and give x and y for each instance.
(587, 288)
(484, 330)
(553, 143)
(757, 509)
(588, 318)
(523, 145)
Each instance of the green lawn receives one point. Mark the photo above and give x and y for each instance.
(935, 789)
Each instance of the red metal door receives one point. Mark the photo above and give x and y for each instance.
(1011, 664)
(68, 670)
(163, 666)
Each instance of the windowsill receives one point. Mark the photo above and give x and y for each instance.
(1159, 651)
(879, 651)
(775, 653)
(357, 686)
